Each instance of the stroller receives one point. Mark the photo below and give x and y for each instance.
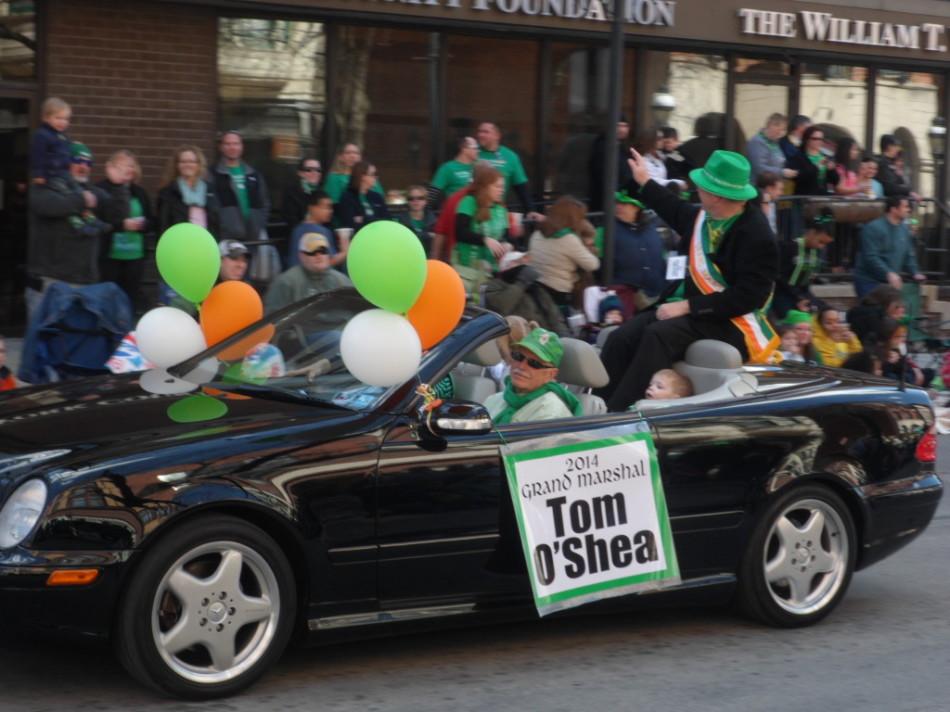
(74, 332)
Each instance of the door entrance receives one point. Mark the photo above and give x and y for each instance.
(15, 148)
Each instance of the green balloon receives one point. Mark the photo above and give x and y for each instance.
(387, 264)
(188, 260)
(196, 409)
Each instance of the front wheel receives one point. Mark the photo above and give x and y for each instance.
(209, 609)
(800, 558)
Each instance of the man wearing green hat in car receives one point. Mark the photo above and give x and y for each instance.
(731, 261)
(531, 391)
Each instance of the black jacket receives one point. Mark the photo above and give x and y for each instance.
(233, 225)
(350, 212)
(56, 248)
(117, 209)
(806, 182)
(172, 210)
(293, 209)
(891, 181)
(747, 256)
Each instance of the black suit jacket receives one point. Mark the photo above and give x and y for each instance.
(747, 256)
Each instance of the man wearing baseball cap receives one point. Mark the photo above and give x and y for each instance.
(312, 276)
(732, 266)
(531, 391)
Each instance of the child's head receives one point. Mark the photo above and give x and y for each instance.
(789, 339)
(57, 113)
(610, 310)
(770, 185)
(667, 384)
(319, 208)
(801, 322)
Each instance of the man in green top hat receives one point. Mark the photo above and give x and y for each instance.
(733, 262)
(531, 392)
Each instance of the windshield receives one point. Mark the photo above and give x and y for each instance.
(291, 354)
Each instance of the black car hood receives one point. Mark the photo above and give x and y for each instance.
(72, 424)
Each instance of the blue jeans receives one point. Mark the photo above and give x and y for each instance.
(862, 285)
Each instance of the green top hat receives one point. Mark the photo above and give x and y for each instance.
(725, 174)
(794, 316)
(544, 344)
(622, 196)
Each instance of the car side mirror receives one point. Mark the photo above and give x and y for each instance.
(457, 418)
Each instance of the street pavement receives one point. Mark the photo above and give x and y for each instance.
(886, 648)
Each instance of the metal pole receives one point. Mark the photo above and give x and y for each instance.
(611, 145)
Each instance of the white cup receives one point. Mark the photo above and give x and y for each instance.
(519, 218)
(344, 233)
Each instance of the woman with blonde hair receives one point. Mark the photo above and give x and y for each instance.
(186, 195)
(481, 230)
(558, 252)
(129, 212)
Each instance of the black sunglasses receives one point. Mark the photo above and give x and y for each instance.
(417, 197)
(312, 169)
(520, 357)
(82, 162)
(318, 251)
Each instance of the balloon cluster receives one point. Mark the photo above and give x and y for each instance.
(189, 261)
(419, 301)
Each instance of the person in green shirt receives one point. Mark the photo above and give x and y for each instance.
(241, 191)
(481, 231)
(454, 175)
(338, 179)
(506, 162)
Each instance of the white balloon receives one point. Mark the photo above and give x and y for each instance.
(380, 348)
(167, 336)
(158, 380)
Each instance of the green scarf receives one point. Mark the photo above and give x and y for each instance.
(560, 233)
(517, 401)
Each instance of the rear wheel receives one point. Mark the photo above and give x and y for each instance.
(800, 558)
(209, 609)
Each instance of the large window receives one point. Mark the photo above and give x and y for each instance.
(836, 97)
(762, 88)
(17, 40)
(382, 101)
(697, 83)
(906, 105)
(497, 81)
(271, 79)
(576, 112)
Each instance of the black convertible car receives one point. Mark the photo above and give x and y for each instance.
(202, 535)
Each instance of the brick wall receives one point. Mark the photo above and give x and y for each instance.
(139, 75)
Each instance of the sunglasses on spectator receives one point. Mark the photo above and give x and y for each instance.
(817, 138)
(82, 162)
(318, 251)
(417, 197)
(312, 169)
(521, 357)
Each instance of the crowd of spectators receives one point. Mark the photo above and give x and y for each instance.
(528, 263)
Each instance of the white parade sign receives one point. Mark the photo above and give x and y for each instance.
(592, 517)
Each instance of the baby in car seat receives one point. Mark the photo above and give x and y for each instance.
(667, 383)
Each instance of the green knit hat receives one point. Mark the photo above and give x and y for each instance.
(794, 316)
(80, 151)
(622, 196)
(544, 344)
(725, 174)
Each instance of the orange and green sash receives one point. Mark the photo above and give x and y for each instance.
(760, 338)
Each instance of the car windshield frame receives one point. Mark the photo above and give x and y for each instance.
(304, 378)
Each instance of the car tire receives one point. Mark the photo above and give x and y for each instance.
(800, 558)
(208, 610)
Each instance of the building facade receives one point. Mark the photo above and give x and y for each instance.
(405, 79)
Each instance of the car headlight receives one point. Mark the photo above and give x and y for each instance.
(21, 512)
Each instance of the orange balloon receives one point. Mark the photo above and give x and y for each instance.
(439, 306)
(230, 307)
